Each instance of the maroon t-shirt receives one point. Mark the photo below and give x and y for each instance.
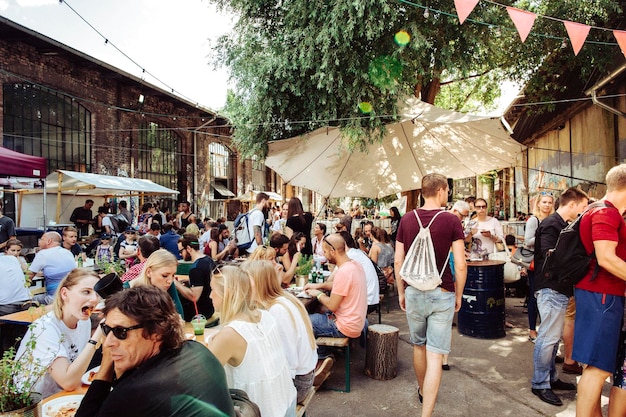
(445, 229)
(603, 223)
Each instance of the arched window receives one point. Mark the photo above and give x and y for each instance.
(157, 159)
(43, 122)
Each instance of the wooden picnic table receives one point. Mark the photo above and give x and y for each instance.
(24, 318)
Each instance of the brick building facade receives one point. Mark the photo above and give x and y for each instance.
(85, 115)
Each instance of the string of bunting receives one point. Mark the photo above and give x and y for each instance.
(524, 20)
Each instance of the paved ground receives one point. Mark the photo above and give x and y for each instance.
(489, 378)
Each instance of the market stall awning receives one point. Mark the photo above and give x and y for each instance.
(223, 191)
(83, 183)
(21, 165)
(250, 196)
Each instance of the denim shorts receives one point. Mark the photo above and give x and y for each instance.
(430, 314)
(597, 329)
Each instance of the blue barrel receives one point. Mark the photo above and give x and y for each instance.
(482, 311)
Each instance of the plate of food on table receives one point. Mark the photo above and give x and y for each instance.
(65, 406)
(89, 375)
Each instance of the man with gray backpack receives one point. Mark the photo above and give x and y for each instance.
(426, 289)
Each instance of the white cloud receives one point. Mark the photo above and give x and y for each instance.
(4, 4)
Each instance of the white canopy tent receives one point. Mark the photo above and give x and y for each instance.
(69, 184)
(83, 183)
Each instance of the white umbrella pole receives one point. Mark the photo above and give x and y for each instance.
(45, 203)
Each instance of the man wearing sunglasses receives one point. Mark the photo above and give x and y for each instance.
(346, 305)
(152, 369)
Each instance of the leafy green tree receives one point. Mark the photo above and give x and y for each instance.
(300, 64)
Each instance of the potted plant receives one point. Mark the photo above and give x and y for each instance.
(304, 268)
(18, 378)
(108, 267)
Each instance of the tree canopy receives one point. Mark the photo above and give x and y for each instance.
(300, 64)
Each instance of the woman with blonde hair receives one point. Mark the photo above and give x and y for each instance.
(294, 324)
(60, 341)
(249, 346)
(160, 271)
(267, 253)
(543, 207)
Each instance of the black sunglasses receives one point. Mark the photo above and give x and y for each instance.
(329, 244)
(119, 332)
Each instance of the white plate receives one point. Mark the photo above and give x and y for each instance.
(85, 378)
(52, 407)
(303, 295)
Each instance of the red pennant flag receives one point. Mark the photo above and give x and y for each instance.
(577, 34)
(464, 8)
(522, 20)
(620, 35)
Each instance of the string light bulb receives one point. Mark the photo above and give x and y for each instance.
(426, 13)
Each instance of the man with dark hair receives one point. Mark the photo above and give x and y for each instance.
(7, 228)
(184, 214)
(600, 293)
(82, 217)
(256, 221)
(430, 313)
(155, 229)
(148, 244)
(200, 273)
(280, 243)
(552, 299)
(344, 218)
(169, 240)
(152, 369)
(123, 209)
(105, 221)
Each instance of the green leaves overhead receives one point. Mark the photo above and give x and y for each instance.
(300, 64)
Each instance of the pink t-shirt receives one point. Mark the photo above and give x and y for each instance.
(349, 282)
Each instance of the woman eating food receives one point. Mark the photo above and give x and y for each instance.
(61, 341)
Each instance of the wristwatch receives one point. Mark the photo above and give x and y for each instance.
(96, 344)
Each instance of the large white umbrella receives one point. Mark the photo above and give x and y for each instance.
(430, 140)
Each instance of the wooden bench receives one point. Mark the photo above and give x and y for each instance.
(37, 290)
(339, 343)
(301, 408)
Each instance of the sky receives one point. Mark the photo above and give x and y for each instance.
(170, 39)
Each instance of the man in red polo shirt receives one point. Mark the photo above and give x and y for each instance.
(600, 299)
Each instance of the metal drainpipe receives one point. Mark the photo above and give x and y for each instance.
(593, 91)
(195, 163)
